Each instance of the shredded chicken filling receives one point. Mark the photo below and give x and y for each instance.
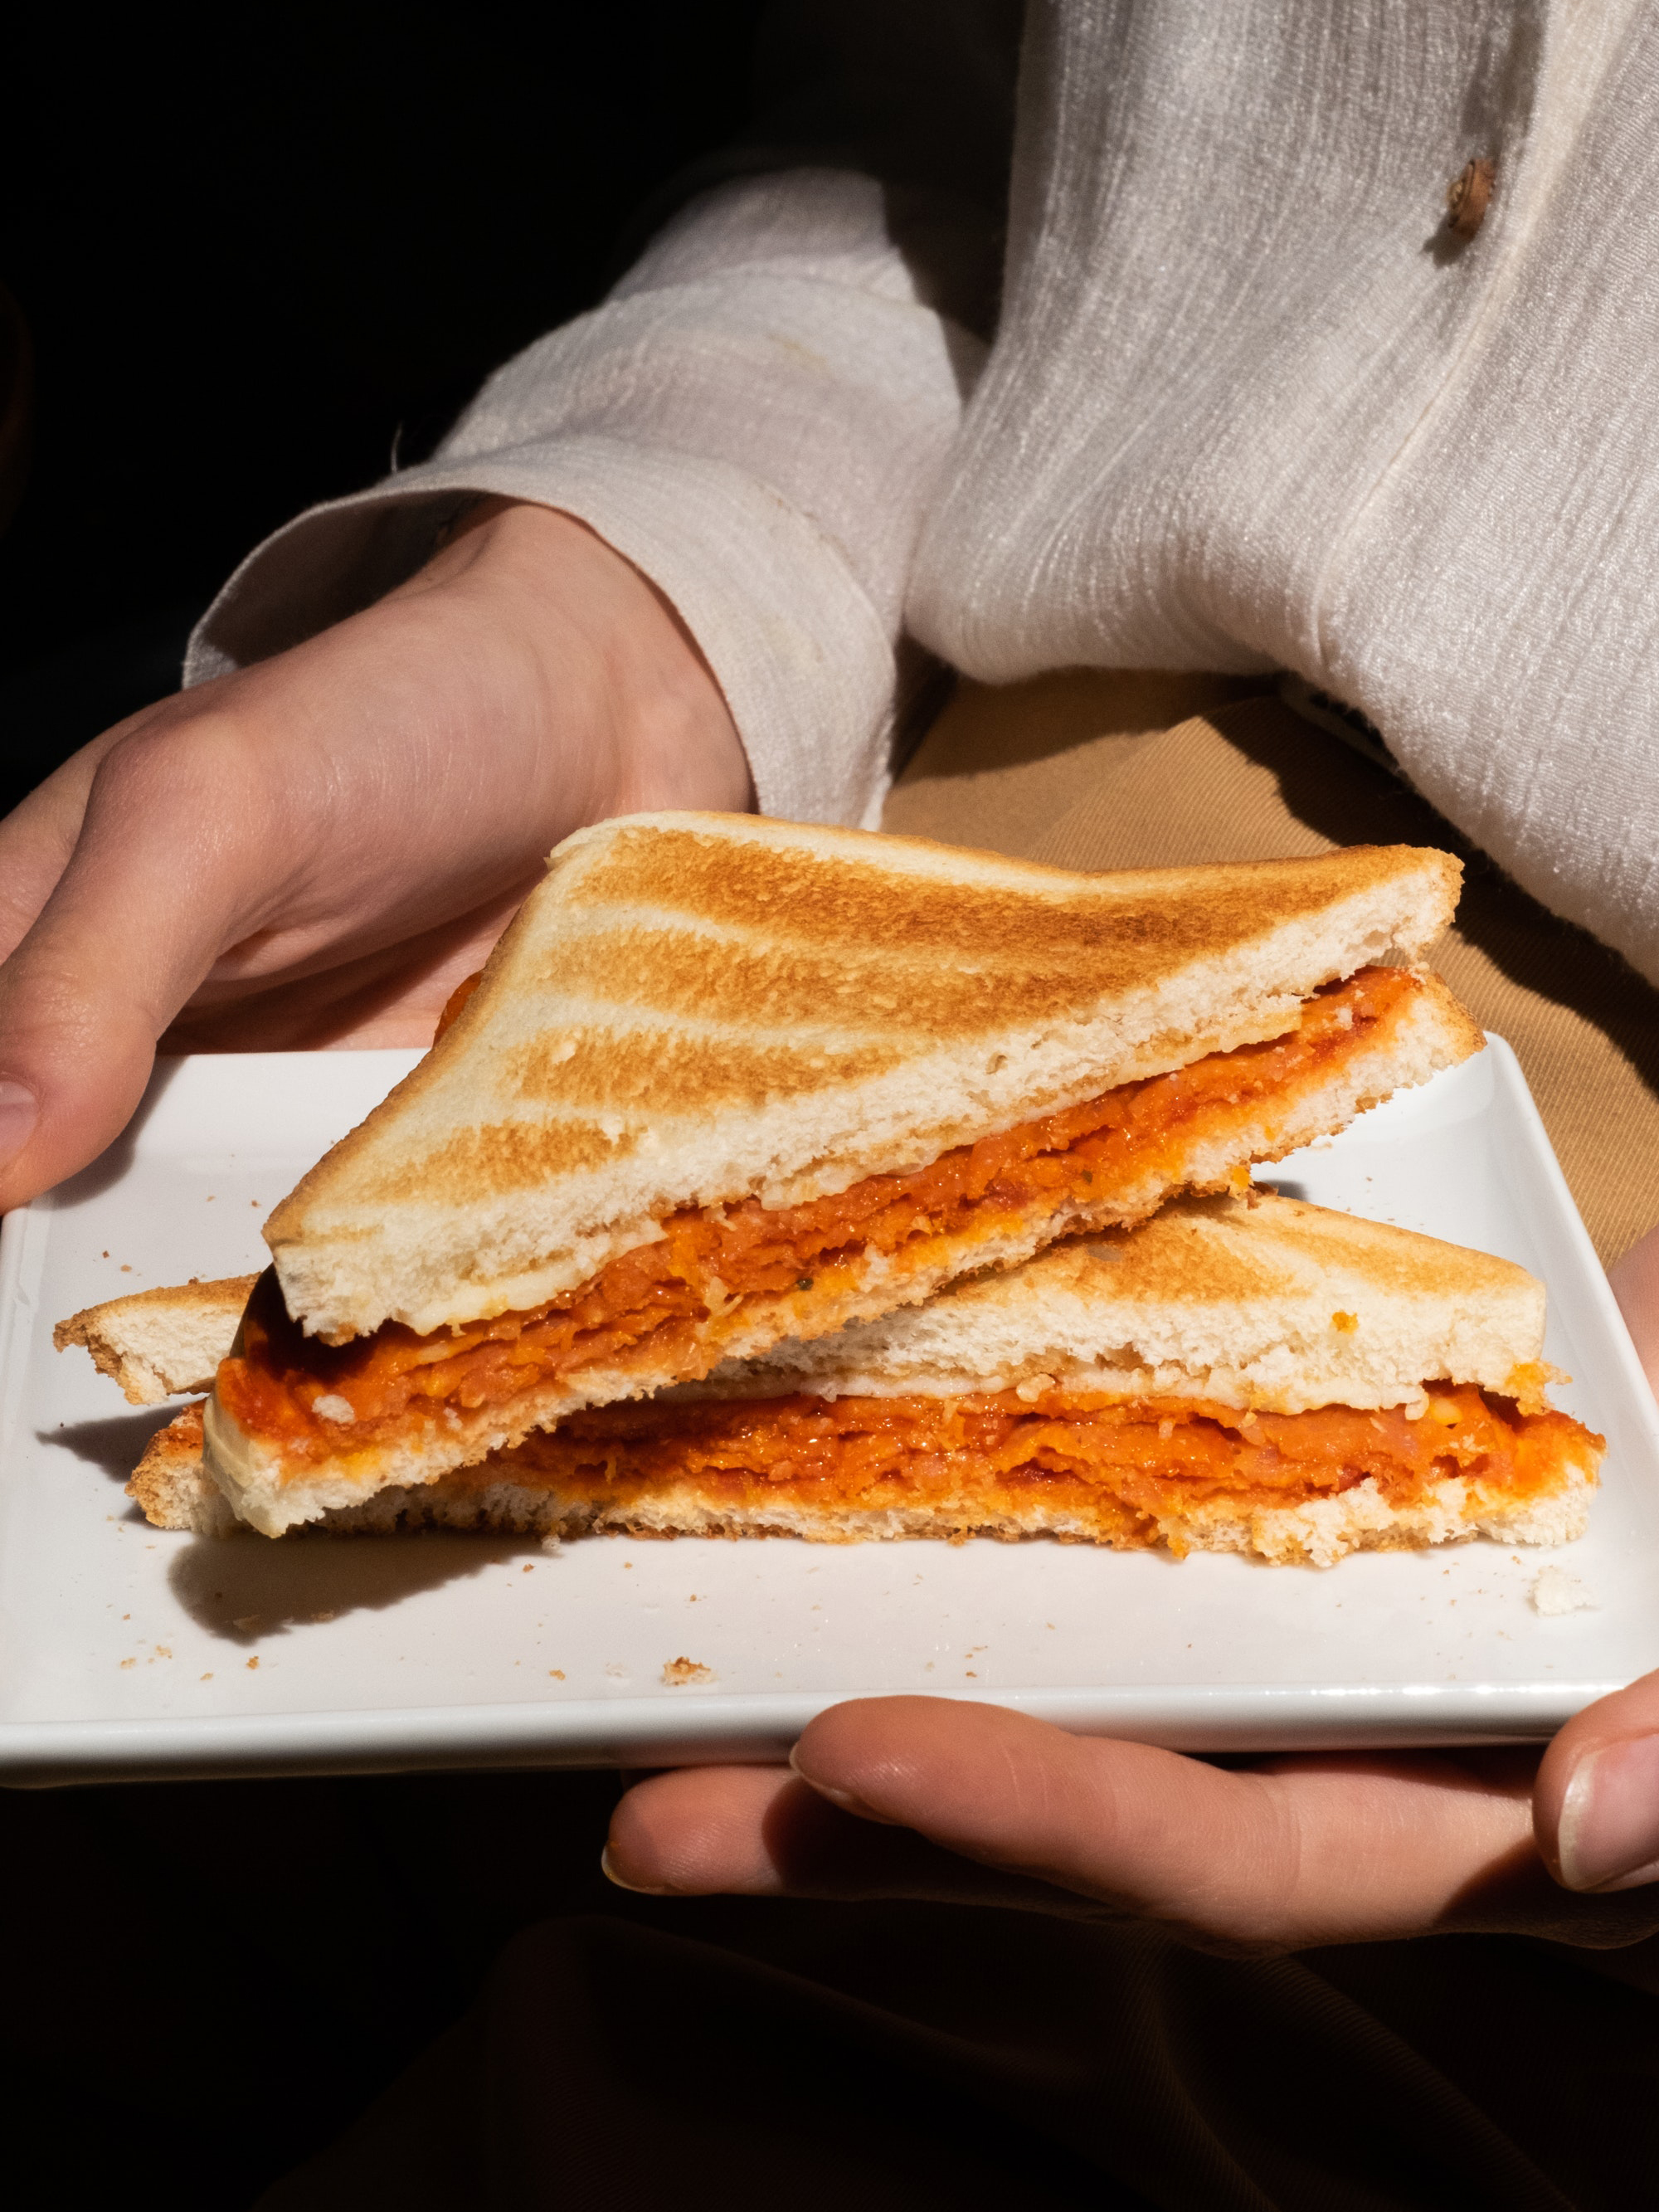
(652, 1304)
(1140, 1465)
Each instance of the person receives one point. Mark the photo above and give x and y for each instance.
(1239, 399)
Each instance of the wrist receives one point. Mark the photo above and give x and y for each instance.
(622, 680)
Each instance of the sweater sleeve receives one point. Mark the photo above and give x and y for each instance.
(756, 415)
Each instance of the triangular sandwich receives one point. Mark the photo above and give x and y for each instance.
(726, 1080)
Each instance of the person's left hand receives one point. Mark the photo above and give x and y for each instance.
(928, 1797)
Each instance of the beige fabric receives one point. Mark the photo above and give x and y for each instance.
(1071, 769)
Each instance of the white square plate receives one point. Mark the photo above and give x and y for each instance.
(127, 1652)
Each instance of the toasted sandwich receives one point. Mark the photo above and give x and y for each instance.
(1251, 1375)
(725, 1081)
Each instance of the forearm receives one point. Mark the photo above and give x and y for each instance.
(660, 733)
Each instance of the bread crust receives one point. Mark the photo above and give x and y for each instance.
(158, 1343)
(171, 1484)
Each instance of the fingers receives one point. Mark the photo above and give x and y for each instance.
(154, 885)
(698, 1831)
(38, 836)
(1596, 1805)
(393, 997)
(1290, 1852)
(1002, 1807)
(762, 1831)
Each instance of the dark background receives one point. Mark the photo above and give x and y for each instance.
(249, 247)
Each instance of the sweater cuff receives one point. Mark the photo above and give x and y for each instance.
(792, 637)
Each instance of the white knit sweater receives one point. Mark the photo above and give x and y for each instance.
(1248, 404)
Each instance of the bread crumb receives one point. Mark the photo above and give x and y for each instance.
(556, 1673)
(686, 1670)
(552, 1546)
(129, 1662)
(330, 1406)
(207, 1677)
(254, 1660)
(529, 1570)
(1554, 1591)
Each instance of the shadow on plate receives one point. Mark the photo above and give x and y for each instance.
(247, 1588)
(115, 1444)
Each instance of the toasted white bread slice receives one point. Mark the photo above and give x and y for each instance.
(695, 1010)
(1254, 1301)
(1277, 1310)
(159, 1344)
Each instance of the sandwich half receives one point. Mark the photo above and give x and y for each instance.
(725, 1081)
(1252, 1375)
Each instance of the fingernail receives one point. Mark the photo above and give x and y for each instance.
(845, 1799)
(1609, 1833)
(19, 1112)
(608, 1868)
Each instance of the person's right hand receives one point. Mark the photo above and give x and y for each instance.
(315, 850)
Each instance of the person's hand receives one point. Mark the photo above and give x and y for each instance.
(928, 1797)
(315, 850)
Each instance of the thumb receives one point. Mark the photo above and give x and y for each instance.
(1595, 1804)
(143, 906)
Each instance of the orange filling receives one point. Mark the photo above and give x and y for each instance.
(457, 999)
(652, 1304)
(1119, 1467)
